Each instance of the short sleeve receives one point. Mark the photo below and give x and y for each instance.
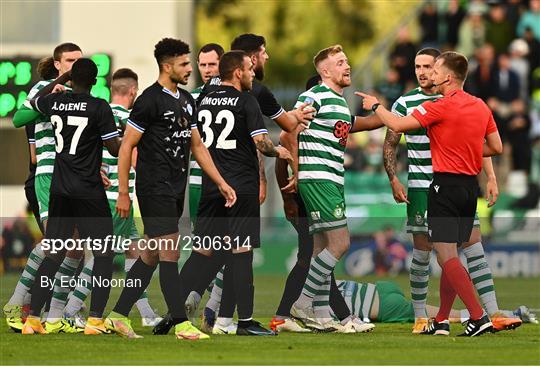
(309, 97)
(30, 133)
(43, 104)
(398, 108)
(429, 112)
(191, 110)
(106, 125)
(268, 103)
(491, 125)
(254, 117)
(140, 116)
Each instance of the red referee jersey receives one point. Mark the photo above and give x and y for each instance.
(457, 125)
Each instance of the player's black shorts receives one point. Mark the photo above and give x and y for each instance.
(160, 214)
(30, 193)
(451, 207)
(91, 217)
(242, 222)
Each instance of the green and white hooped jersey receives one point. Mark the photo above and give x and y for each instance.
(358, 296)
(418, 150)
(195, 171)
(120, 117)
(44, 134)
(321, 147)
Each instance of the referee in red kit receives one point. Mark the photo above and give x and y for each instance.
(461, 130)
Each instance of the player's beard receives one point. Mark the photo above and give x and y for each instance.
(179, 80)
(259, 73)
(344, 82)
(246, 84)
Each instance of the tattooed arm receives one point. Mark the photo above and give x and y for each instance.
(262, 178)
(267, 148)
(391, 142)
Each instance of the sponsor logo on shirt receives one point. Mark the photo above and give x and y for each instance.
(421, 109)
(341, 131)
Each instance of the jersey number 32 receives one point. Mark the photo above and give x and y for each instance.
(205, 116)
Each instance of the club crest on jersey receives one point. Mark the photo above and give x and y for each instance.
(309, 100)
(339, 211)
(418, 218)
(341, 131)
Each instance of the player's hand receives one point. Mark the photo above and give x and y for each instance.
(398, 190)
(262, 191)
(283, 153)
(304, 113)
(58, 88)
(492, 192)
(106, 182)
(228, 193)
(291, 186)
(123, 204)
(290, 207)
(368, 101)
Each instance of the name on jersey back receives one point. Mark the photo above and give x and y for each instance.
(78, 106)
(219, 101)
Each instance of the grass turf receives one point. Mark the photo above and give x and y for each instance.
(387, 344)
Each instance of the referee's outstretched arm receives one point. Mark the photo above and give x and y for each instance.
(397, 123)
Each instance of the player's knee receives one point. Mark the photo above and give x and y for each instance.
(173, 256)
(150, 257)
(421, 242)
(75, 254)
(476, 236)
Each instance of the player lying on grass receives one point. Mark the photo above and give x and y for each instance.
(383, 301)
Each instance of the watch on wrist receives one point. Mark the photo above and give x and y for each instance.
(375, 106)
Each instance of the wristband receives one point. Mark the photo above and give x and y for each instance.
(375, 106)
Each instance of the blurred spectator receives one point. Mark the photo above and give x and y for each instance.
(16, 244)
(373, 156)
(402, 57)
(506, 92)
(518, 137)
(390, 89)
(390, 254)
(514, 9)
(530, 19)
(353, 159)
(454, 16)
(429, 25)
(481, 81)
(534, 54)
(499, 31)
(472, 32)
(520, 64)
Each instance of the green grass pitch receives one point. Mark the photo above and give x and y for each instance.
(387, 344)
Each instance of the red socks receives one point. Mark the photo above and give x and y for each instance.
(448, 296)
(457, 278)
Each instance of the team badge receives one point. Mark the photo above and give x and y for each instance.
(338, 211)
(418, 218)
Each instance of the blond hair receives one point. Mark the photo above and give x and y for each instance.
(325, 53)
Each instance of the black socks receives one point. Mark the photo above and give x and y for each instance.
(138, 272)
